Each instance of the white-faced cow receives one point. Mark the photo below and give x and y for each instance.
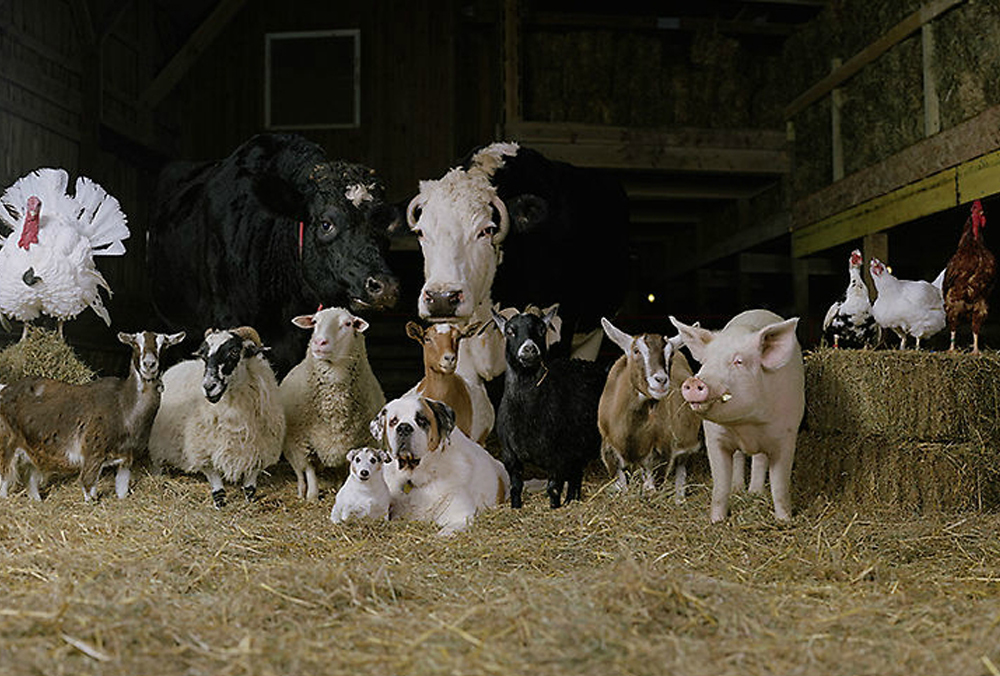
(267, 234)
(564, 237)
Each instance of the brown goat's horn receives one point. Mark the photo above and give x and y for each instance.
(248, 333)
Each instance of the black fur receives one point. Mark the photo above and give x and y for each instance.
(548, 413)
(224, 242)
(568, 240)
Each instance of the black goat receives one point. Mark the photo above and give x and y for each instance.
(548, 413)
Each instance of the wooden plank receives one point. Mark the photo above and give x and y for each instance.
(577, 133)
(511, 62)
(978, 178)
(896, 34)
(776, 226)
(631, 156)
(837, 140)
(932, 104)
(930, 195)
(200, 40)
(962, 143)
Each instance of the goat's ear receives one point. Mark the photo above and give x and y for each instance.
(173, 338)
(471, 330)
(617, 336)
(445, 416)
(377, 426)
(304, 321)
(499, 320)
(415, 331)
(550, 314)
(126, 338)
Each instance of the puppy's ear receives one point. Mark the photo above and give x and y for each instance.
(445, 416)
(353, 453)
(377, 426)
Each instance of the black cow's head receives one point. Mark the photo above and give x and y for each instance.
(340, 221)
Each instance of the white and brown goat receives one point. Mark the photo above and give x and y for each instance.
(58, 428)
(643, 418)
(467, 397)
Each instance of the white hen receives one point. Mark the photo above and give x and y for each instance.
(47, 263)
(910, 308)
(849, 321)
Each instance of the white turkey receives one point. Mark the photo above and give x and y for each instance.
(849, 321)
(47, 262)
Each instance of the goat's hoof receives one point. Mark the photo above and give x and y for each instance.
(219, 498)
(250, 493)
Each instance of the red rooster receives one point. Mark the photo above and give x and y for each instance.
(969, 277)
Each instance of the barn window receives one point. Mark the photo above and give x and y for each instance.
(312, 80)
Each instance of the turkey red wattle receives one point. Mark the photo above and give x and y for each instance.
(29, 234)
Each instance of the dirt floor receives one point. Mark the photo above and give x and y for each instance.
(161, 583)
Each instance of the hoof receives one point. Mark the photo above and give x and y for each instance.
(219, 498)
(250, 493)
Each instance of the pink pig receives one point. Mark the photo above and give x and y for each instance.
(751, 393)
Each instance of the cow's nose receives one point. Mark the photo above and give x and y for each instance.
(383, 290)
(443, 303)
(694, 390)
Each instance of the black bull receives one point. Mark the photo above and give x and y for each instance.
(266, 234)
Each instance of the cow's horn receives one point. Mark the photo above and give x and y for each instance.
(415, 204)
(504, 219)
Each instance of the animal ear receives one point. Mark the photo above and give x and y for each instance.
(126, 338)
(359, 325)
(377, 426)
(415, 331)
(617, 336)
(499, 320)
(280, 196)
(695, 338)
(173, 338)
(304, 321)
(353, 453)
(527, 212)
(551, 316)
(445, 415)
(471, 329)
(777, 343)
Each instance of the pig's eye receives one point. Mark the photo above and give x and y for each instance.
(738, 361)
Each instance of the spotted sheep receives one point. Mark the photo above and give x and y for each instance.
(57, 428)
(220, 413)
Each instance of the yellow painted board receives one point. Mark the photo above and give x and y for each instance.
(979, 178)
(930, 195)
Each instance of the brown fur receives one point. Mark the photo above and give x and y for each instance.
(440, 382)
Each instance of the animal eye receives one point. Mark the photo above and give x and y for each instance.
(372, 460)
(393, 421)
(487, 231)
(738, 361)
(419, 233)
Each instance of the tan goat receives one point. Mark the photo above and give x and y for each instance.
(643, 419)
(442, 383)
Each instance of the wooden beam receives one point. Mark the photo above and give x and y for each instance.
(932, 104)
(667, 158)
(744, 239)
(559, 20)
(691, 190)
(896, 34)
(511, 63)
(576, 133)
(930, 195)
(962, 143)
(200, 40)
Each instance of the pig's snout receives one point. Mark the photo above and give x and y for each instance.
(694, 390)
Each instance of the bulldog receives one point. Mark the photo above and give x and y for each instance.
(436, 472)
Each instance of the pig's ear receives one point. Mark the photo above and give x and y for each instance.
(778, 343)
(695, 338)
(617, 336)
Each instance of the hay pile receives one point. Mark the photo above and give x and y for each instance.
(161, 583)
(42, 353)
(917, 431)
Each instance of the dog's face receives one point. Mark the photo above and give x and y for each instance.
(413, 426)
(366, 462)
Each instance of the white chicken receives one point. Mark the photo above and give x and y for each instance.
(47, 262)
(849, 321)
(910, 308)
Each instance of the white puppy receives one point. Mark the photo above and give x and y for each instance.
(364, 493)
(437, 473)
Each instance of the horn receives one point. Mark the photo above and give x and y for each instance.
(504, 218)
(415, 203)
(248, 333)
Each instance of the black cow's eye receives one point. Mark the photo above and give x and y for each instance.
(327, 231)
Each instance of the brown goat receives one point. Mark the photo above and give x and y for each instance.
(440, 382)
(642, 416)
(58, 428)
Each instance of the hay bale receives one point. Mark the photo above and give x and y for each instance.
(876, 472)
(44, 354)
(926, 396)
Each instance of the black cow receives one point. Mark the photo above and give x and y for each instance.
(270, 232)
(563, 231)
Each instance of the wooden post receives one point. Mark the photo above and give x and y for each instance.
(836, 102)
(800, 290)
(511, 62)
(875, 246)
(932, 108)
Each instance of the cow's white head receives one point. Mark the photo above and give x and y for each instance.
(460, 222)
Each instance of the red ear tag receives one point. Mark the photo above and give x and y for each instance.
(302, 226)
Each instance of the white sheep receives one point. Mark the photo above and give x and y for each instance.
(329, 397)
(220, 414)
